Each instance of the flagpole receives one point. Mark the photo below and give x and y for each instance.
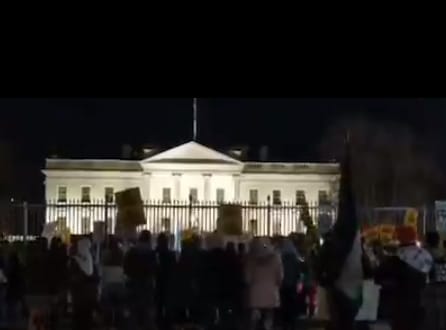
(195, 119)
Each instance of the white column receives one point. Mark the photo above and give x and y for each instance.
(236, 187)
(207, 187)
(146, 186)
(177, 186)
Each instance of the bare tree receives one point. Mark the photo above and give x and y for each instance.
(390, 165)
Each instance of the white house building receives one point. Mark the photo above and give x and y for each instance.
(189, 174)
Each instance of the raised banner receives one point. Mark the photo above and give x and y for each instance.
(130, 208)
(230, 219)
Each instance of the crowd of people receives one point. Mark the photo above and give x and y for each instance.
(266, 283)
(142, 285)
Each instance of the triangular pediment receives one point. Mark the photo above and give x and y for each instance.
(191, 152)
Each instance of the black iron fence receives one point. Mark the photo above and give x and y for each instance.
(25, 221)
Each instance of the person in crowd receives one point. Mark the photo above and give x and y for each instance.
(241, 250)
(38, 296)
(212, 282)
(404, 275)
(15, 291)
(232, 286)
(57, 275)
(164, 278)
(188, 292)
(263, 274)
(434, 295)
(139, 267)
(3, 282)
(113, 284)
(291, 284)
(83, 284)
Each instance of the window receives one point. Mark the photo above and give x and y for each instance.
(109, 194)
(323, 197)
(253, 196)
(300, 197)
(276, 197)
(166, 195)
(220, 195)
(62, 194)
(85, 194)
(86, 225)
(253, 226)
(193, 195)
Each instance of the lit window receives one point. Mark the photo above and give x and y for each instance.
(300, 197)
(85, 223)
(62, 194)
(109, 194)
(220, 195)
(323, 197)
(193, 195)
(276, 197)
(86, 194)
(253, 196)
(166, 195)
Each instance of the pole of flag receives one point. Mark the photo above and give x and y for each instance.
(195, 119)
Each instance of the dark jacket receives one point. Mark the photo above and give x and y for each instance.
(402, 286)
(83, 287)
(139, 263)
(164, 274)
(16, 279)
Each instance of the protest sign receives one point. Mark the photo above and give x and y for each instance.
(130, 213)
(49, 230)
(230, 219)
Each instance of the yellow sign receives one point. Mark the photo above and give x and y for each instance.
(411, 218)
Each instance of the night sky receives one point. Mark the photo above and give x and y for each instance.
(32, 129)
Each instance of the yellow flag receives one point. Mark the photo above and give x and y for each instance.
(411, 218)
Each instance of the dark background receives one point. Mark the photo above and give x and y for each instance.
(33, 129)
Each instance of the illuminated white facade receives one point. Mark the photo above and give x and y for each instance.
(188, 171)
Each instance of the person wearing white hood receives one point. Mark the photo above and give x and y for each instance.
(263, 275)
(83, 285)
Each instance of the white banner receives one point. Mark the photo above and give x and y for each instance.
(369, 307)
(440, 215)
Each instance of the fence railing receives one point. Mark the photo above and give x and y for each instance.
(24, 221)
(261, 219)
